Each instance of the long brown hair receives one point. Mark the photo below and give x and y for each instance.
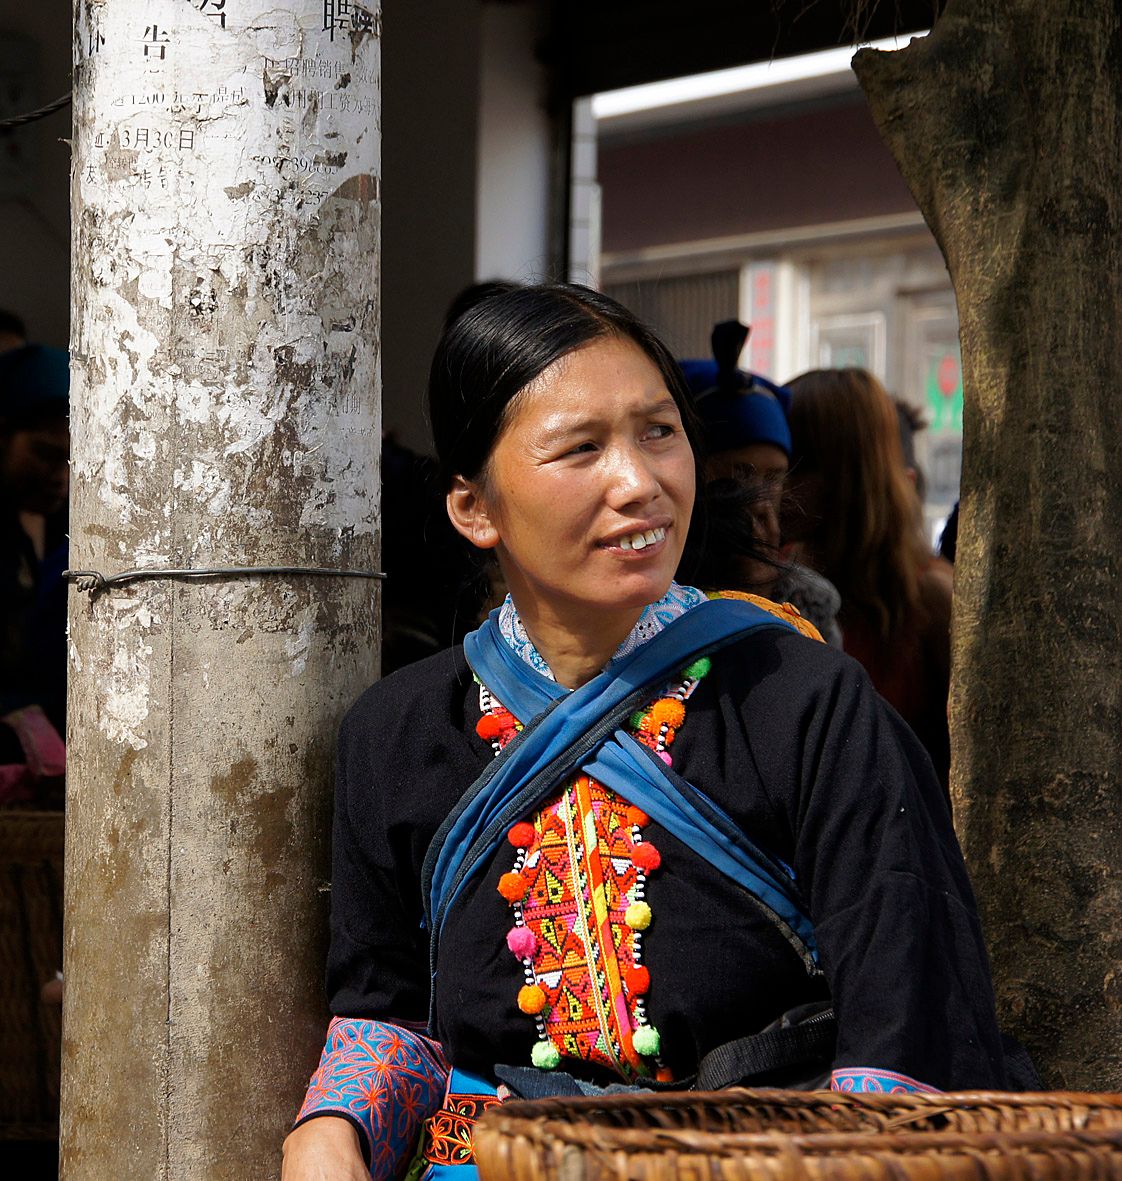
(852, 504)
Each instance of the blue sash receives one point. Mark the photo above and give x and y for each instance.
(566, 730)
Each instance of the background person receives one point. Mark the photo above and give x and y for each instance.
(34, 482)
(747, 442)
(852, 514)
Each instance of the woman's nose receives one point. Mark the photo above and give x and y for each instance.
(633, 479)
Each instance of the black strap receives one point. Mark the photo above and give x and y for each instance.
(779, 1047)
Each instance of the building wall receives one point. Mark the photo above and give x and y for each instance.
(514, 153)
(430, 100)
(804, 167)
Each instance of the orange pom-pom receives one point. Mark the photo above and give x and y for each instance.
(637, 816)
(521, 836)
(646, 857)
(531, 999)
(513, 887)
(667, 711)
(638, 980)
(489, 727)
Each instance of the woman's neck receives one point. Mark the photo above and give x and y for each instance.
(576, 650)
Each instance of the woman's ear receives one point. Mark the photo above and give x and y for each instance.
(468, 512)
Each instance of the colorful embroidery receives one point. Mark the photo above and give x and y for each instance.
(867, 1078)
(578, 893)
(386, 1079)
(448, 1134)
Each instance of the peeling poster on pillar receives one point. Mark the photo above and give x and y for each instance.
(226, 178)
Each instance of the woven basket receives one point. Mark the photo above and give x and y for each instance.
(30, 953)
(742, 1135)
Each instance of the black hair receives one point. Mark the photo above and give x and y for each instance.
(475, 293)
(717, 555)
(502, 342)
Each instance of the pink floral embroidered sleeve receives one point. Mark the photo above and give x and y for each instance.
(386, 1080)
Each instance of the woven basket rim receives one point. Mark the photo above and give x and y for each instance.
(634, 1141)
(578, 1106)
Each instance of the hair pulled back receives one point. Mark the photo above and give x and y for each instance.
(504, 341)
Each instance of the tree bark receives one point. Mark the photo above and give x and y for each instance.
(1006, 121)
(224, 413)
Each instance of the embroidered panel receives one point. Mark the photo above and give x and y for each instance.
(448, 1134)
(580, 882)
(578, 893)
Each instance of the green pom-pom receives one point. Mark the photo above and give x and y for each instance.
(637, 719)
(698, 669)
(545, 1055)
(646, 1041)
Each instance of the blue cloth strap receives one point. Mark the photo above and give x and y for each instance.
(559, 736)
(569, 730)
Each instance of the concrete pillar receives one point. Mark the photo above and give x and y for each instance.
(225, 413)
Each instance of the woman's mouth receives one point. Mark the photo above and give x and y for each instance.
(641, 539)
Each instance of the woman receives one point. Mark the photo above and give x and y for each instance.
(852, 514)
(577, 918)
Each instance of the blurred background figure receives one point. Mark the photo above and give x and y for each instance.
(12, 331)
(851, 512)
(436, 587)
(748, 450)
(34, 482)
(948, 539)
(909, 422)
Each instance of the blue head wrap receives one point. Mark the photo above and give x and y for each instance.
(34, 382)
(736, 407)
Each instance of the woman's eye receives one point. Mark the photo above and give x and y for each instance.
(660, 430)
(581, 449)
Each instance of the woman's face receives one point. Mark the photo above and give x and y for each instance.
(588, 492)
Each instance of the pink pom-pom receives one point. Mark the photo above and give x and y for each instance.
(665, 756)
(521, 941)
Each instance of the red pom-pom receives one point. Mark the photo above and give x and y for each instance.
(489, 727)
(638, 980)
(646, 857)
(513, 887)
(521, 836)
(637, 816)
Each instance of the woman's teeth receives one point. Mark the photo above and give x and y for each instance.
(642, 540)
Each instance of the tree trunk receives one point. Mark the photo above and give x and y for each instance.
(1007, 124)
(225, 413)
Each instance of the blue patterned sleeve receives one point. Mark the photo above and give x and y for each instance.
(384, 1079)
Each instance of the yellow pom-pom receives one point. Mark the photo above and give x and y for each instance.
(638, 916)
(531, 999)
